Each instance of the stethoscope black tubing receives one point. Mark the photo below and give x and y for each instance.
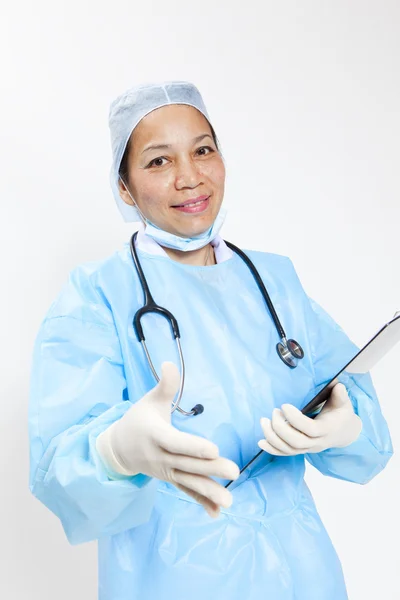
(148, 298)
(261, 286)
(151, 306)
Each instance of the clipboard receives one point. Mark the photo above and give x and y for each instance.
(377, 347)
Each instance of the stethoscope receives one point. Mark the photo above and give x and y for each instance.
(288, 350)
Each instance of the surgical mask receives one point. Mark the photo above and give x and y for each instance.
(170, 240)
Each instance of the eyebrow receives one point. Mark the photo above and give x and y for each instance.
(166, 146)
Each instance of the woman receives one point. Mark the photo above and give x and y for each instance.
(113, 457)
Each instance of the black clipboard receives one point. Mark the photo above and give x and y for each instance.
(377, 347)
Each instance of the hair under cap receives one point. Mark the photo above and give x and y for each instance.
(129, 109)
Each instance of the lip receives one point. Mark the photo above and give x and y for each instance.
(200, 207)
(191, 200)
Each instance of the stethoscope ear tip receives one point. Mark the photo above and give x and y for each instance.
(198, 409)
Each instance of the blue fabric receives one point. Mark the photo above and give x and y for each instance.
(154, 541)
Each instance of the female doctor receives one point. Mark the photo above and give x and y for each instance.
(115, 456)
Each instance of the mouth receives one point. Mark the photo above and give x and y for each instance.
(194, 205)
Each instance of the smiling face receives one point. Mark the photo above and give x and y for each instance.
(186, 165)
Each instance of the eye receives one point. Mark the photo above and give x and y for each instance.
(152, 162)
(205, 148)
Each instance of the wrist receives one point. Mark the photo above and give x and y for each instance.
(353, 431)
(106, 449)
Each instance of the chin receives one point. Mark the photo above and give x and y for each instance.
(196, 226)
(194, 231)
(193, 225)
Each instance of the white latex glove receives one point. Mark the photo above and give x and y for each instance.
(290, 432)
(144, 441)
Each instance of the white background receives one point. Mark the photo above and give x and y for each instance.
(305, 98)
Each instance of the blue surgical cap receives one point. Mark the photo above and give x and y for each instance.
(129, 109)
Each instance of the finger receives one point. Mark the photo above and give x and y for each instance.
(219, 467)
(179, 442)
(287, 433)
(205, 487)
(169, 382)
(274, 440)
(212, 509)
(339, 397)
(309, 427)
(264, 445)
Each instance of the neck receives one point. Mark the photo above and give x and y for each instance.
(201, 257)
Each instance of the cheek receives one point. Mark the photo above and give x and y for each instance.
(221, 176)
(153, 195)
(160, 186)
(216, 174)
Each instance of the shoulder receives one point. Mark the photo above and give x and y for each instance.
(278, 273)
(275, 264)
(84, 294)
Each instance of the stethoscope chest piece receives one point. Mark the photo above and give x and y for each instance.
(290, 352)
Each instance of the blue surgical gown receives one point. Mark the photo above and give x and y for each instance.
(153, 540)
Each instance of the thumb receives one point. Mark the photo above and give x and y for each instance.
(169, 382)
(339, 396)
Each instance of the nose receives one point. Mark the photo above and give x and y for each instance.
(187, 174)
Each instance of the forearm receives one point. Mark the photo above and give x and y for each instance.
(72, 481)
(367, 456)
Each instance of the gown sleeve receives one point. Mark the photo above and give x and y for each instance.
(330, 349)
(78, 389)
